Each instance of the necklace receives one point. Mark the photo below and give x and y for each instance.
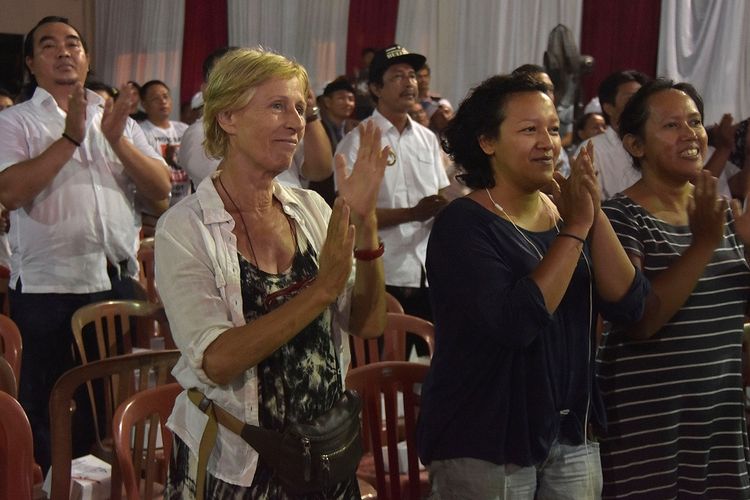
(242, 219)
(518, 230)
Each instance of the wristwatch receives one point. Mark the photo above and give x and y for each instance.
(313, 115)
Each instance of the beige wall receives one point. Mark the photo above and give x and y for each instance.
(19, 16)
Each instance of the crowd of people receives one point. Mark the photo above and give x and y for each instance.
(282, 218)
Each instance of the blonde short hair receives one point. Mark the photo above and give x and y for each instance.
(232, 83)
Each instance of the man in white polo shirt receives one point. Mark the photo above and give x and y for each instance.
(70, 166)
(410, 194)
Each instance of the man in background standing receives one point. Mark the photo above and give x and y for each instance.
(411, 192)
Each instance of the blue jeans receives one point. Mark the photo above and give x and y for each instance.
(570, 472)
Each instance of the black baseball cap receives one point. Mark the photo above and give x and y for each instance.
(389, 56)
(338, 84)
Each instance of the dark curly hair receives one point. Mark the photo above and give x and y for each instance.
(634, 116)
(480, 114)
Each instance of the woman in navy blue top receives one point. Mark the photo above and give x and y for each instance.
(516, 284)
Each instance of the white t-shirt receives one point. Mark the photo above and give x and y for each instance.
(62, 240)
(166, 141)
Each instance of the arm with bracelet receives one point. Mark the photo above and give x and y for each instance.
(360, 191)
(21, 182)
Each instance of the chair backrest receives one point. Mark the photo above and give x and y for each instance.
(16, 451)
(118, 377)
(113, 325)
(135, 427)
(11, 345)
(4, 284)
(398, 325)
(392, 305)
(381, 385)
(146, 263)
(8, 380)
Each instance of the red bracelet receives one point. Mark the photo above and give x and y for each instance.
(371, 254)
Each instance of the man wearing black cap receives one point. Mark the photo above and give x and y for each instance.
(410, 192)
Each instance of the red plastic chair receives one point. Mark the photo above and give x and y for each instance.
(142, 464)
(8, 381)
(11, 345)
(117, 375)
(394, 340)
(382, 384)
(392, 305)
(16, 451)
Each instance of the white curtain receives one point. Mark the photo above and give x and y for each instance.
(467, 41)
(140, 40)
(313, 32)
(707, 43)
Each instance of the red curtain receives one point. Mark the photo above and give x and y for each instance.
(620, 35)
(371, 24)
(205, 31)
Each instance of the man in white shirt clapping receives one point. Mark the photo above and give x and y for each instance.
(70, 165)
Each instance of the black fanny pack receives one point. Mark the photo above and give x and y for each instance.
(306, 457)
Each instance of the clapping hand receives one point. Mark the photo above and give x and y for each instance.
(429, 206)
(723, 133)
(578, 198)
(360, 188)
(707, 212)
(336, 254)
(116, 113)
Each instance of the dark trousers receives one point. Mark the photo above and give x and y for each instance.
(415, 301)
(44, 322)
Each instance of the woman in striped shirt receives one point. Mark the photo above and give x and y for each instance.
(672, 382)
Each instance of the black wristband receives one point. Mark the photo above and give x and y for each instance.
(66, 136)
(568, 235)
